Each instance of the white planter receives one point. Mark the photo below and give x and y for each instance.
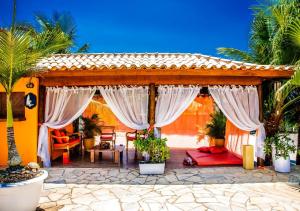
(22, 196)
(152, 168)
(282, 165)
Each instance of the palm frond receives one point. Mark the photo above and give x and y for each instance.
(20, 52)
(84, 48)
(236, 54)
(295, 31)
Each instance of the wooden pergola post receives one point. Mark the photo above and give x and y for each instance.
(152, 105)
(151, 115)
(41, 111)
(260, 161)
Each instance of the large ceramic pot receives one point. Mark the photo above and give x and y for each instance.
(22, 196)
(151, 168)
(282, 165)
(88, 143)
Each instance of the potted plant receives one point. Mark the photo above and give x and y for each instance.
(90, 129)
(155, 152)
(20, 51)
(216, 128)
(280, 146)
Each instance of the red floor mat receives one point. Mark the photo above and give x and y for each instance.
(208, 159)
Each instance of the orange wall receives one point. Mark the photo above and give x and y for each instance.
(26, 132)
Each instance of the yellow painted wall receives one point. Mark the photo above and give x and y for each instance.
(26, 132)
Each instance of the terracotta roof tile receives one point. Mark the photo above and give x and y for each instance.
(146, 61)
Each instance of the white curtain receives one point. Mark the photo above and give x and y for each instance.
(129, 104)
(172, 102)
(241, 106)
(63, 106)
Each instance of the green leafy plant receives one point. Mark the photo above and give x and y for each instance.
(157, 148)
(281, 143)
(20, 51)
(275, 39)
(91, 126)
(216, 128)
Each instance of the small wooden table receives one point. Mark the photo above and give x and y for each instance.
(117, 153)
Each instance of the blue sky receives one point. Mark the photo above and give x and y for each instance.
(193, 26)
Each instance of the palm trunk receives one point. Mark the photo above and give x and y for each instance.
(14, 158)
(298, 147)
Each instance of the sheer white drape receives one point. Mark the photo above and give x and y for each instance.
(241, 106)
(172, 102)
(129, 104)
(63, 106)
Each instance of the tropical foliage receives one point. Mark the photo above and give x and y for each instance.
(91, 126)
(274, 36)
(275, 39)
(20, 51)
(57, 23)
(282, 145)
(157, 148)
(216, 128)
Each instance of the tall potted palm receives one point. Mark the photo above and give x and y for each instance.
(20, 51)
(216, 128)
(90, 130)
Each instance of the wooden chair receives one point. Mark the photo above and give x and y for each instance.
(132, 136)
(62, 140)
(108, 134)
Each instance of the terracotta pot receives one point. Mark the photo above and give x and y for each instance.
(219, 142)
(88, 143)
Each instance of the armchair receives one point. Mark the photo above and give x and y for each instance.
(61, 140)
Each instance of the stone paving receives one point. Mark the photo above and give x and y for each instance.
(221, 188)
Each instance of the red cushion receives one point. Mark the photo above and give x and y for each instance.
(131, 137)
(208, 159)
(71, 143)
(106, 137)
(204, 149)
(58, 134)
(217, 150)
(65, 140)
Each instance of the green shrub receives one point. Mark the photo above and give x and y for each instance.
(281, 143)
(156, 147)
(216, 128)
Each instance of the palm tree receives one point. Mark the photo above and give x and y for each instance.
(19, 53)
(63, 22)
(275, 39)
(270, 37)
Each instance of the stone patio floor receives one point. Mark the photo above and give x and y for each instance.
(220, 188)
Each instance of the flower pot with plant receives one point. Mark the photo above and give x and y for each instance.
(20, 51)
(216, 128)
(155, 152)
(280, 146)
(90, 129)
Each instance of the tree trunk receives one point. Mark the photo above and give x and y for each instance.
(298, 147)
(14, 158)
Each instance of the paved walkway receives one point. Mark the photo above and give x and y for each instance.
(221, 188)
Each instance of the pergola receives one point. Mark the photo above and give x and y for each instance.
(152, 69)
